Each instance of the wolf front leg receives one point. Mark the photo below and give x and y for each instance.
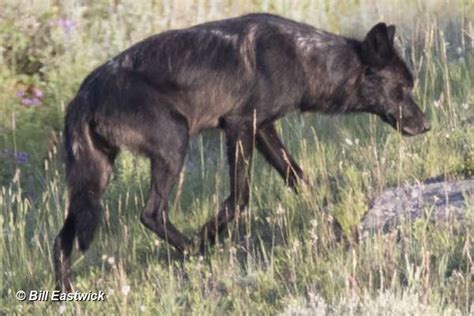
(274, 151)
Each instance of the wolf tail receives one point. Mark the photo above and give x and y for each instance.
(88, 167)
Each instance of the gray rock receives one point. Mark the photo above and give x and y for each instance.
(438, 201)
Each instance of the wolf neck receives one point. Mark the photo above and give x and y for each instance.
(333, 70)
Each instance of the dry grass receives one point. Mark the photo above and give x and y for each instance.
(281, 256)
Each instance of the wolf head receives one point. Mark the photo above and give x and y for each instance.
(386, 84)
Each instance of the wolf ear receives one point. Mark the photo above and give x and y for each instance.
(391, 33)
(377, 47)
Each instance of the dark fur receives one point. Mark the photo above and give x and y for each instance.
(238, 74)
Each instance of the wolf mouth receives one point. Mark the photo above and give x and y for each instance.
(402, 128)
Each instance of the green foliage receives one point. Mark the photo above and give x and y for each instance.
(280, 256)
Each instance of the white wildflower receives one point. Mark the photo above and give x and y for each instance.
(125, 289)
(111, 261)
(280, 210)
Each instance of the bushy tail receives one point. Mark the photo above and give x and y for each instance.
(88, 168)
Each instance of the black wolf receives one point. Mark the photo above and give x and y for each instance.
(239, 75)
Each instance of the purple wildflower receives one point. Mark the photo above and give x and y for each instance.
(31, 101)
(20, 93)
(35, 102)
(27, 101)
(37, 92)
(66, 24)
(21, 157)
(31, 96)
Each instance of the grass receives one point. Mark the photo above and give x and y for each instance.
(281, 255)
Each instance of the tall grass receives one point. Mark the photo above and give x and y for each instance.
(280, 256)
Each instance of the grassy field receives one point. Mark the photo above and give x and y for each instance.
(280, 257)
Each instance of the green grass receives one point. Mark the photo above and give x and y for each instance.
(281, 255)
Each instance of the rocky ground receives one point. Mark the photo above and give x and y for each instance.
(435, 199)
